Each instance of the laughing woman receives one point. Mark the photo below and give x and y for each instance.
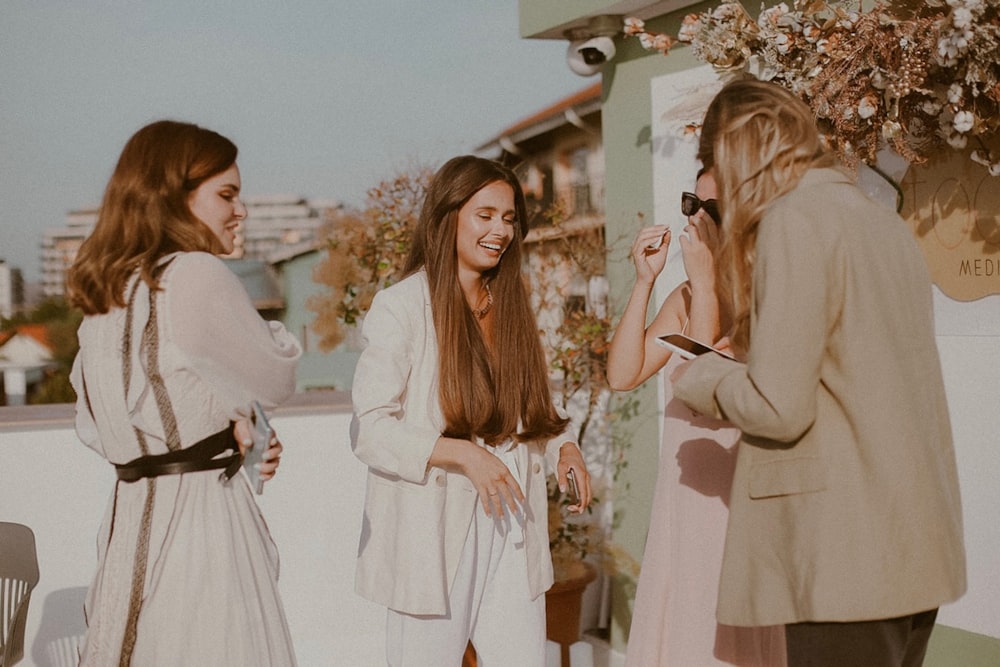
(454, 419)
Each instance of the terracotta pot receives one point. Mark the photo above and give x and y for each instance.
(469, 659)
(562, 606)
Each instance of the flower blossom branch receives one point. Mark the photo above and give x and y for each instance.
(916, 76)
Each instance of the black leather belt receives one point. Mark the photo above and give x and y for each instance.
(198, 457)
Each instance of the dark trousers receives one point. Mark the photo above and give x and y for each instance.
(891, 642)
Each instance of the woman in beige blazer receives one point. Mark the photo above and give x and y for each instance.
(453, 416)
(845, 518)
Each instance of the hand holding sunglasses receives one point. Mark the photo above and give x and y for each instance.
(691, 204)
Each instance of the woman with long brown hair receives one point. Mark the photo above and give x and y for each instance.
(172, 353)
(845, 518)
(454, 418)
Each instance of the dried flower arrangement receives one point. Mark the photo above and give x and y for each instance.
(914, 75)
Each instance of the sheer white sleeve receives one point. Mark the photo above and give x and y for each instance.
(86, 428)
(222, 337)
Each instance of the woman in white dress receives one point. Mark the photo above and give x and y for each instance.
(172, 353)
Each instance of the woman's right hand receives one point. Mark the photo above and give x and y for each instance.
(649, 252)
(242, 432)
(697, 249)
(495, 485)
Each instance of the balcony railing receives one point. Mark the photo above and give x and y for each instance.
(581, 199)
(60, 489)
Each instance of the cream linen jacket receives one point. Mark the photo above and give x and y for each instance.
(845, 503)
(417, 516)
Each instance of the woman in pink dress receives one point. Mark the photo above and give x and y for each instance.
(673, 620)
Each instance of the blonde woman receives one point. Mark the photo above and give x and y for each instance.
(845, 519)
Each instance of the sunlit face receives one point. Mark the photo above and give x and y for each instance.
(216, 203)
(485, 227)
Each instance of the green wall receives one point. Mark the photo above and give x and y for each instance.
(626, 128)
(952, 647)
(626, 116)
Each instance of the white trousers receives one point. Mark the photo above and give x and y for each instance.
(490, 603)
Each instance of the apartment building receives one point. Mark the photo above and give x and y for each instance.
(558, 154)
(59, 248)
(11, 290)
(273, 224)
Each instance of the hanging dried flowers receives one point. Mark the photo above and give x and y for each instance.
(917, 76)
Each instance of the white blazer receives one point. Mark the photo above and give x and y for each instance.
(417, 516)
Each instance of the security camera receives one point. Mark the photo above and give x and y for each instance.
(591, 45)
(586, 56)
(597, 50)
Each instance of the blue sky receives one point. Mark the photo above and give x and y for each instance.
(324, 98)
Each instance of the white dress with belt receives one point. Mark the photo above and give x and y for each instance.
(187, 571)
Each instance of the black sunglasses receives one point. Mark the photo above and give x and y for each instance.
(690, 204)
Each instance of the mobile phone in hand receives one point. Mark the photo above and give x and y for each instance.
(262, 434)
(687, 348)
(571, 488)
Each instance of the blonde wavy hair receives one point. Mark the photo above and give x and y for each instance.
(761, 139)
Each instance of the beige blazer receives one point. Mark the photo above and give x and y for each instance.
(417, 516)
(845, 503)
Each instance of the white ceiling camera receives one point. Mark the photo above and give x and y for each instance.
(591, 45)
(597, 50)
(585, 57)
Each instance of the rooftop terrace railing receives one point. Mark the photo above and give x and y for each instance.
(60, 488)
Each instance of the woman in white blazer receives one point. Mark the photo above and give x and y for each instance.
(453, 416)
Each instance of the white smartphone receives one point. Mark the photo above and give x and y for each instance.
(262, 433)
(687, 348)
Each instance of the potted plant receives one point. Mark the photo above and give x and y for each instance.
(568, 283)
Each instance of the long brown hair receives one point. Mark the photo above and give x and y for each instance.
(506, 393)
(761, 139)
(144, 214)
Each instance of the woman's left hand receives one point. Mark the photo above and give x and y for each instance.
(272, 457)
(570, 458)
(679, 371)
(722, 345)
